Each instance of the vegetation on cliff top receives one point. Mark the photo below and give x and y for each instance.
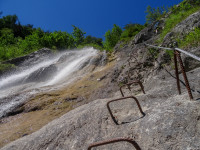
(178, 14)
(112, 37)
(17, 40)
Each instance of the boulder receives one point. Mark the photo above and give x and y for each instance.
(146, 33)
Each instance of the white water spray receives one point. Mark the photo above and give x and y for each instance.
(72, 66)
(13, 91)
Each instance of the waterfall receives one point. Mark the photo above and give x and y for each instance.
(16, 88)
(73, 64)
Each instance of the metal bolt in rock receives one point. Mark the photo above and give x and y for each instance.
(129, 84)
(135, 145)
(119, 99)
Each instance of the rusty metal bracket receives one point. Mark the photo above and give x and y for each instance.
(119, 99)
(129, 140)
(176, 72)
(129, 86)
(184, 75)
(129, 74)
(177, 52)
(131, 56)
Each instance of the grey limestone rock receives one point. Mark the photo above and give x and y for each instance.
(188, 24)
(171, 122)
(31, 58)
(42, 74)
(145, 34)
(183, 28)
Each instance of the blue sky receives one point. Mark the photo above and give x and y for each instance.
(94, 17)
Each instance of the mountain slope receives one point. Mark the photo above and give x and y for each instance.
(171, 122)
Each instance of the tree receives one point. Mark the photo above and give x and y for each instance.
(93, 40)
(32, 42)
(112, 37)
(7, 37)
(1, 21)
(78, 35)
(154, 14)
(131, 30)
(9, 21)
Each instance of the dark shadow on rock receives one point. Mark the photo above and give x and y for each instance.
(42, 74)
(132, 120)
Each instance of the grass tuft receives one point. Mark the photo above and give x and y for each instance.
(191, 39)
(176, 18)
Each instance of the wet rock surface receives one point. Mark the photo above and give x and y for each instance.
(20, 63)
(42, 74)
(32, 58)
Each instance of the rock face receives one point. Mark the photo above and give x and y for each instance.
(148, 32)
(99, 60)
(31, 58)
(189, 62)
(145, 34)
(21, 63)
(188, 24)
(171, 122)
(42, 74)
(183, 28)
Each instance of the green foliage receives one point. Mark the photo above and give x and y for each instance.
(185, 5)
(4, 67)
(7, 36)
(154, 14)
(18, 40)
(78, 35)
(31, 42)
(170, 53)
(130, 31)
(154, 52)
(185, 9)
(7, 52)
(191, 39)
(57, 39)
(93, 40)
(8, 21)
(112, 37)
(96, 46)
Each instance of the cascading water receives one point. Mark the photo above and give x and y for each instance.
(72, 64)
(16, 88)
